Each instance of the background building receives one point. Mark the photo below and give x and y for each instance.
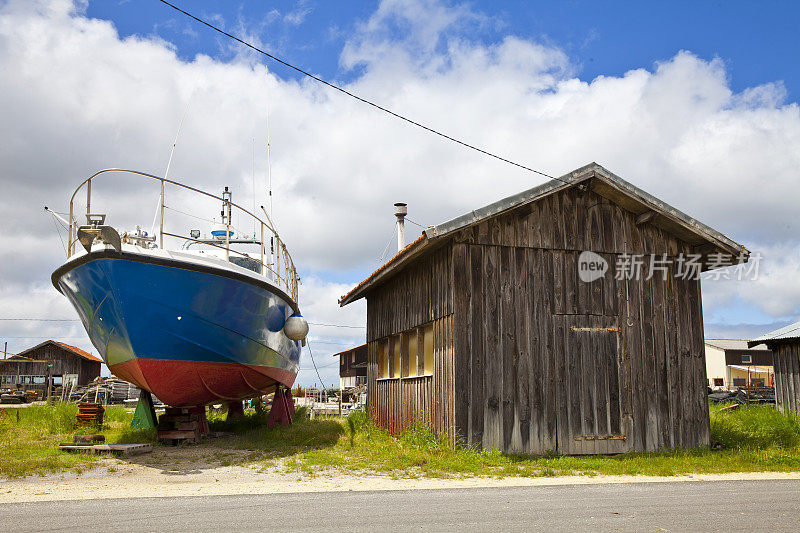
(352, 367)
(66, 365)
(730, 364)
(785, 345)
(485, 327)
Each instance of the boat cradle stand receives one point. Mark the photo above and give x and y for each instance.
(182, 424)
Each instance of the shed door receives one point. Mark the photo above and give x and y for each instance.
(590, 381)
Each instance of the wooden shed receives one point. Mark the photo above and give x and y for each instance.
(785, 346)
(30, 369)
(484, 327)
(352, 367)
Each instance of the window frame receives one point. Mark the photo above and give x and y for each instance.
(397, 361)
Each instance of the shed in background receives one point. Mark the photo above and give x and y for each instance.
(785, 346)
(352, 367)
(64, 364)
(731, 364)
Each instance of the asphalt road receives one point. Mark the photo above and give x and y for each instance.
(681, 506)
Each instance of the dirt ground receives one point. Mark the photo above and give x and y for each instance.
(201, 472)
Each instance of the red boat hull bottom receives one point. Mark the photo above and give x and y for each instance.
(193, 383)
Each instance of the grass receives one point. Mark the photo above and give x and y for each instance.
(755, 438)
(29, 445)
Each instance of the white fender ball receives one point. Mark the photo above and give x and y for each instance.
(296, 327)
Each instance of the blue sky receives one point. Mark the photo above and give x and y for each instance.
(758, 41)
(694, 102)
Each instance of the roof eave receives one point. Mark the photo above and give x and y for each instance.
(401, 259)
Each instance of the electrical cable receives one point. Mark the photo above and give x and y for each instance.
(416, 223)
(360, 99)
(78, 320)
(386, 249)
(337, 325)
(308, 344)
(45, 319)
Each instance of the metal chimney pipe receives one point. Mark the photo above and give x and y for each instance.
(400, 211)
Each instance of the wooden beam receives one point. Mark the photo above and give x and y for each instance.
(645, 217)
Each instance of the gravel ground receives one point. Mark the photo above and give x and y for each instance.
(199, 472)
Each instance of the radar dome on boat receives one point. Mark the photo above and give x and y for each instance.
(296, 327)
(219, 232)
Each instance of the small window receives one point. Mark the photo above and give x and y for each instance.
(757, 382)
(395, 356)
(747, 359)
(739, 382)
(383, 360)
(427, 344)
(719, 382)
(411, 350)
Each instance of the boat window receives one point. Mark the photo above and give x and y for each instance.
(246, 262)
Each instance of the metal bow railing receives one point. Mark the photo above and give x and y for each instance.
(276, 265)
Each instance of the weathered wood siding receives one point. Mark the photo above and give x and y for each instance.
(419, 295)
(397, 403)
(63, 361)
(546, 361)
(786, 358)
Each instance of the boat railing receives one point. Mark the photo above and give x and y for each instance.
(275, 264)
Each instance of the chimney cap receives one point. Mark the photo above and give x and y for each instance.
(400, 209)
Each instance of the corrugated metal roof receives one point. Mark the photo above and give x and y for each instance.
(732, 344)
(790, 332)
(569, 180)
(614, 185)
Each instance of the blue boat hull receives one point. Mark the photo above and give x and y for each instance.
(190, 334)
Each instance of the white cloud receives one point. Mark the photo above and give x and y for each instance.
(77, 98)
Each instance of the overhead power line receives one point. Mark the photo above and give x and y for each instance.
(44, 319)
(337, 325)
(78, 320)
(308, 345)
(360, 99)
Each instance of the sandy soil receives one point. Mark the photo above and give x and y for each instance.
(199, 472)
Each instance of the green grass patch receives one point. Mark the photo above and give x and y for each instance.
(251, 434)
(754, 426)
(29, 438)
(755, 438)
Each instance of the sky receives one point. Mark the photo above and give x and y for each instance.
(694, 102)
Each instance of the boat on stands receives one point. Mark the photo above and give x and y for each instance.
(192, 318)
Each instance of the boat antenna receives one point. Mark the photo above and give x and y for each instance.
(269, 153)
(169, 163)
(254, 189)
